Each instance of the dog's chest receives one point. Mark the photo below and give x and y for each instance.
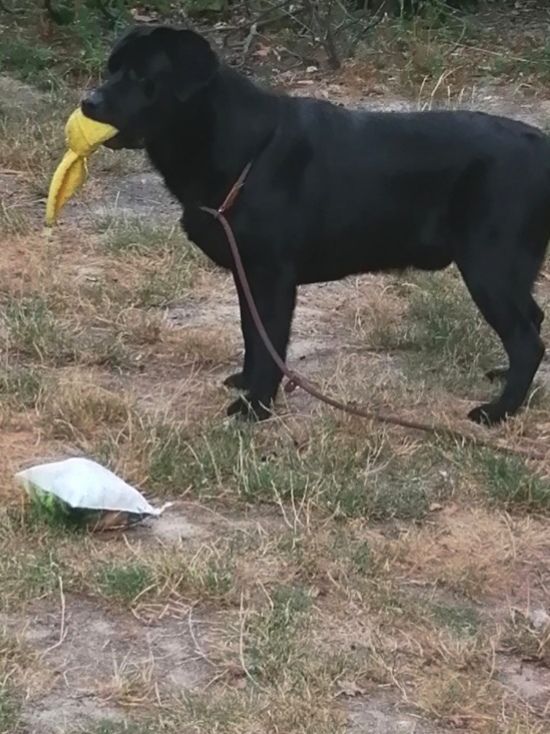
(203, 230)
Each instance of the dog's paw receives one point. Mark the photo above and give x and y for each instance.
(237, 381)
(248, 409)
(499, 373)
(487, 415)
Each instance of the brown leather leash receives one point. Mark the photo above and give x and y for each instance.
(294, 379)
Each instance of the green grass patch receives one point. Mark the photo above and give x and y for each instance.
(447, 324)
(115, 727)
(512, 485)
(21, 387)
(461, 620)
(124, 582)
(341, 474)
(225, 712)
(445, 338)
(10, 711)
(272, 643)
(122, 234)
(171, 279)
(34, 331)
(29, 60)
(207, 575)
(79, 39)
(172, 261)
(28, 575)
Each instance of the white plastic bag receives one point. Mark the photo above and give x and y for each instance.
(83, 484)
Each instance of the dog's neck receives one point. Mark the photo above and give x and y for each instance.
(213, 136)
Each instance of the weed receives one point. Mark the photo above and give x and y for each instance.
(30, 61)
(29, 576)
(451, 344)
(21, 387)
(115, 727)
(459, 619)
(75, 410)
(123, 234)
(208, 575)
(168, 282)
(339, 475)
(362, 557)
(124, 582)
(9, 711)
(272, 648)
(224, 712)
(13, 221)
(34, 331)
(520, 638)
(511, 484)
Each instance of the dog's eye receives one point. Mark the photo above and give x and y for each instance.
(147, 85)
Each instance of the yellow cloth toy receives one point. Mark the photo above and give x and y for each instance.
(83, 137)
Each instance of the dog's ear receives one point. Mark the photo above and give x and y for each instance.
(193, 61)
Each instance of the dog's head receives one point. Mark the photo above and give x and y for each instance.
(151, 69)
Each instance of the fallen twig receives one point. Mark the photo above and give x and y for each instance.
(62, 627)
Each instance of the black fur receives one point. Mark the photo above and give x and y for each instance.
(334, 192)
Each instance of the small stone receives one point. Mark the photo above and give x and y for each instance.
(539, 619)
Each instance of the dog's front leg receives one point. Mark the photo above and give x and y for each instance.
(274, 293)
(241, 380)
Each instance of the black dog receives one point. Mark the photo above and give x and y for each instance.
(333, 192)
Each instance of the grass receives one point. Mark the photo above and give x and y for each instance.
(31, 575)
(21, 387)
(9, 712)
(76, 410)
(32, 141)
(458, 618)
(32, 62)
(521, 638)
(207, 575)
(35, 332)
(444, 334)
(114, 727)
(123, 234)
(124, 582)
(74, 48)
(344, 478)
(169, 261)
(272, 645)
(14, 222)
(443, 52)
(510, 484)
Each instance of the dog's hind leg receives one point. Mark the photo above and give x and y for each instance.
(537, 317)
(504, 299)
(507, 311)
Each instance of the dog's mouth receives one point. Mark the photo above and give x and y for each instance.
(123, 142)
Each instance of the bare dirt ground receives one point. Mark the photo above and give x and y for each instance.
(317, 575)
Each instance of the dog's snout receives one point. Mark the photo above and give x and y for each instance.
(91, 105)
